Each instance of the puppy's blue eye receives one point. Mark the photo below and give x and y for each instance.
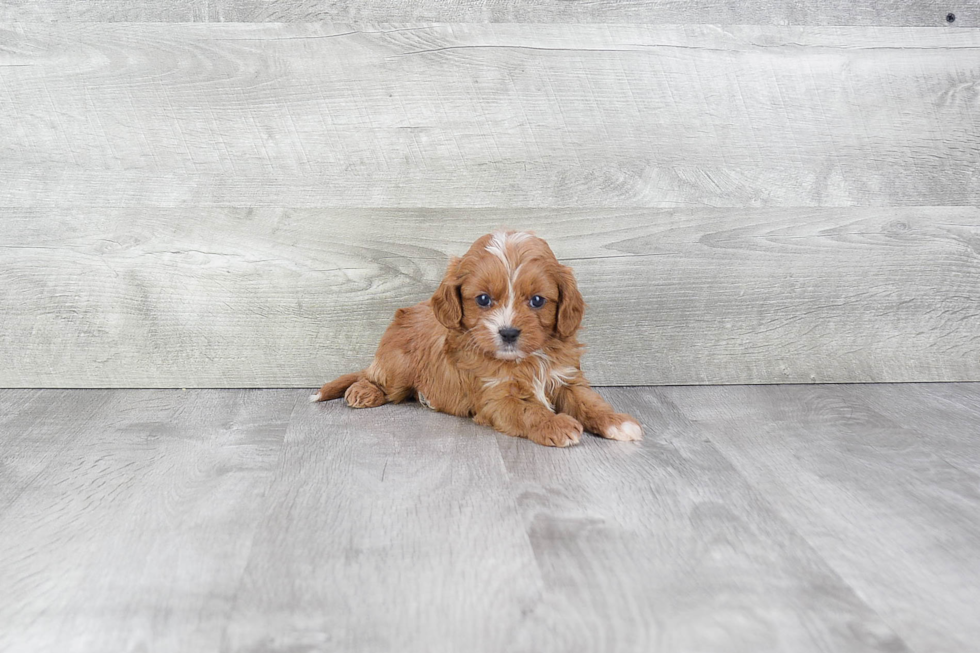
(483, 300)
(537, 301)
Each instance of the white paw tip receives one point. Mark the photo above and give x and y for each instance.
(628, 431)
(314, 397)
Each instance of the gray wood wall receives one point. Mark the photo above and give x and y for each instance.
(778, 192)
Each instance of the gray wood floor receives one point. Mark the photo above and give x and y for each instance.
(752, 518)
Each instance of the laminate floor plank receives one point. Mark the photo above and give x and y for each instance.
(35, 426)
(876, 13)
(873, 497)
(135, 535)
(945, 416)
(291, 297)
(664, 546)
(466, 115)
(751, 518)
(388, 529)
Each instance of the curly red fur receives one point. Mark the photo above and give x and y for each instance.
(448, 352)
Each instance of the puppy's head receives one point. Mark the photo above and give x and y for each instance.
(509, 295)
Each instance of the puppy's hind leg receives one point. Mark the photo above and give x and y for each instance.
(336, 388)
(384, 381)
(356, 389)
(392, 373)
(388, 379)
(365, 394)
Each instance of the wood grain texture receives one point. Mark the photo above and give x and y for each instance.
(946, 417)
(754, 12)
(135, 535)
(495, 115)
(878, 501)
(292, 297)
(35, 427)
(771, 518)
(386, 530)
(664, 546)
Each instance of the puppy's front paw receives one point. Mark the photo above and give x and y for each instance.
(559, 431)
(620, 426)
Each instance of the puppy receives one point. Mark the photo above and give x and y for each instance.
(496, 342)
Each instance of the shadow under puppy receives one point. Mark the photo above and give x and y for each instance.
(496, 342)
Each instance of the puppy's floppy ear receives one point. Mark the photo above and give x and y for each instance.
(447, 303)
(571, 306)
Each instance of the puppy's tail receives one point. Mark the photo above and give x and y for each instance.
(336, 388)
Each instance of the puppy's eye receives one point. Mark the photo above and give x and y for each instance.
(537, 301)
(483, 300)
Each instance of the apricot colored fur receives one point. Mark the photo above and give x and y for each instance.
(447, 352)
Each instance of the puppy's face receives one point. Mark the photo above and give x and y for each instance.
(509, 295)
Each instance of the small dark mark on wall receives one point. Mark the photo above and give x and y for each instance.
(950, 17)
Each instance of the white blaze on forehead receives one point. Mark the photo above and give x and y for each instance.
(504, 316)
(500, 240)
(498, 247)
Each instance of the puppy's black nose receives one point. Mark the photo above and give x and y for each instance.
(509, 335)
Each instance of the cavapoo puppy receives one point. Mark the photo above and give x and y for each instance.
(495, 342)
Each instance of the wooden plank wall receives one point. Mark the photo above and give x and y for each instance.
(782, 192)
